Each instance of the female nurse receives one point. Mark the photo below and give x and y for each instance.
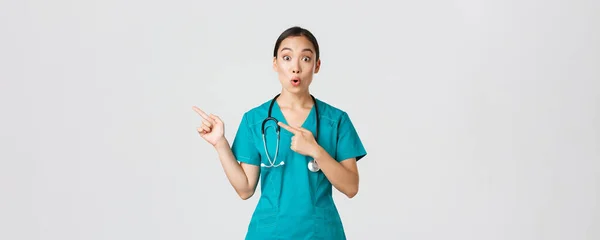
(299, 146)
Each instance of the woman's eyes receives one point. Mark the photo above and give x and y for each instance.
(287, 58)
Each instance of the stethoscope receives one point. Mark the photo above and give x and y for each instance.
(312, 164)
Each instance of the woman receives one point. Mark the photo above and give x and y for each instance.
(300, 169)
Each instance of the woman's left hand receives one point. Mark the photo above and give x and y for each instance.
(303, 141)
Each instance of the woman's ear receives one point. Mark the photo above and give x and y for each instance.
(275, 64)
(318, 66)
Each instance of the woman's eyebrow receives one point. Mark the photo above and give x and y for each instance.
(308, 49)
(304, 50)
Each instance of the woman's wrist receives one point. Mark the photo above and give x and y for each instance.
(318, 153)
(222, 142)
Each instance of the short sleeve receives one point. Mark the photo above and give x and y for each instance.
(243, 147)
(349, 144)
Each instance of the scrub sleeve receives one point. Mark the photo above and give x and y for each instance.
(243, 146)
(349, 144)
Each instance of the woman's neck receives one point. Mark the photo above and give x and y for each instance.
(295, 100)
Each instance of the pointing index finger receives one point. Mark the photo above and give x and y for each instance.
(289, 128)
(202, 113)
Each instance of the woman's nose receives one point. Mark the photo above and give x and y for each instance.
(295, 69)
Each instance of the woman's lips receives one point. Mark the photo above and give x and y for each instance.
(295, 81)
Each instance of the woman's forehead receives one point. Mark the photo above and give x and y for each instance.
(296, 43)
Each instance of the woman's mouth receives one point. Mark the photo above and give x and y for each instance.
(295, 82)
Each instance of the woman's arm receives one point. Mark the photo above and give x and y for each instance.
(243, 177)
(343, 175)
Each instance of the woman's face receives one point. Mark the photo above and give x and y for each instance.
(295, 63)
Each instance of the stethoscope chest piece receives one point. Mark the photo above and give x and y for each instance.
(313, 166)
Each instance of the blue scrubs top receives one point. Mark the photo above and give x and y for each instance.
(295, 203)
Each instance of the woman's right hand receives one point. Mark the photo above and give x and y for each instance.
(212, 128)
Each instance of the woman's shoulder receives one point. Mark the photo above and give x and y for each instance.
(257, 113)
(329, 111)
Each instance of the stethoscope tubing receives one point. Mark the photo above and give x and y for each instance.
(312, 165)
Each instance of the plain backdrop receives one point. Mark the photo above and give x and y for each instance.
(481, 118)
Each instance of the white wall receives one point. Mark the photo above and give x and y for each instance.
(481, 118)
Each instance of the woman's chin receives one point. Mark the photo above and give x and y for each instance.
(295, 89)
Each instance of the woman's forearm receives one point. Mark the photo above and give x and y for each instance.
(238, 178)
(341, 177)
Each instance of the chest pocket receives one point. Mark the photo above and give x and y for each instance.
(328, 135)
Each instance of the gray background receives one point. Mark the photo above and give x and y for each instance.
(480, 117)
